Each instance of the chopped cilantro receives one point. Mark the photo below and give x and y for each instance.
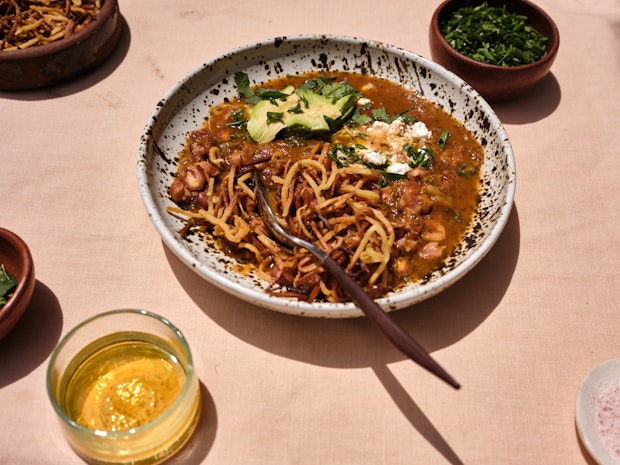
(242, 81)
(443, 139)
(423, 157)
(238, 119)
(360, 118)
(8, 282)
(297, 110)
(274, 116)
(380, 114)
(271, 94)
(491, 34)
(387, 177)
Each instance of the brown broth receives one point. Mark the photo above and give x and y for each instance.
(446, 194)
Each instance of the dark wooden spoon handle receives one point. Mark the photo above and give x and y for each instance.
(398, 336)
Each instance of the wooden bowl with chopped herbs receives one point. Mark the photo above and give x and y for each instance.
(502, 48)
(46, 42)
(16, 279)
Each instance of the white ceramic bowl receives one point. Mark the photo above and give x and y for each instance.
(185, 108)
(595, 388)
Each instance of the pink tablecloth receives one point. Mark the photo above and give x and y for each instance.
(520, 332)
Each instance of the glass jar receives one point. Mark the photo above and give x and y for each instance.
(124, 388)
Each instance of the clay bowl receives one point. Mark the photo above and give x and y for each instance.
(58, 61)
(17, 260)
(494, 82)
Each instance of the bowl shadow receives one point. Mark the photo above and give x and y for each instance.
(355, 342)
(584, 450)
(201, 441)
(82, 81)
(33, 338)
(534, 106)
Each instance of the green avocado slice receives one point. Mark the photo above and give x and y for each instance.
(302, 111)
(267, 116)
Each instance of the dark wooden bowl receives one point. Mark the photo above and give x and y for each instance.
(494, 82)
(55, 62)
(16, 258)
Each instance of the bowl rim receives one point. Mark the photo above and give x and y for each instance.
(316, 309)
(552, 45)
(27, 272)
(37, 51)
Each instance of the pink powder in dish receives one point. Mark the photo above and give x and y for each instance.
(608, 419)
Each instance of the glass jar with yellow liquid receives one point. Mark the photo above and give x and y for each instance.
(124, 387)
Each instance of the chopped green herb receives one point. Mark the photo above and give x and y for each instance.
(273, 116)
(423, 157)
(242, 81)
(494, 36)
(328, 87)
(360, 118)
(8, 282)
(380, 114)
(273, 95)
(297, 110)
(238, 119)
(344, 155)
(461, 171)
(387, 177)
(443, 139)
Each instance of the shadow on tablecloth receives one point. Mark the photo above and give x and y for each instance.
(33, 338)
(436, 323)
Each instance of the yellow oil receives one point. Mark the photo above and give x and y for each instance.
(123, 385)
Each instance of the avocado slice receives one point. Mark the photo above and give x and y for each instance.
(302, 111)
(267, 116)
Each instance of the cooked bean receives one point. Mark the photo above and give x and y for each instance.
(178, 191)
(194, 178)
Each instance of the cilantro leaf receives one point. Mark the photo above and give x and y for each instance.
(491, 34)
(242, 81)
(8, 282)
(423, 157)
(443, 139)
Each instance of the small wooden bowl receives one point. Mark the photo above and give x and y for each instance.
(17, 260)
(494, 82)
(55, 62)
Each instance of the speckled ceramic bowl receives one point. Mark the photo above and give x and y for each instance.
(185, 108)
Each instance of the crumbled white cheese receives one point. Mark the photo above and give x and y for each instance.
(363, 102)
(385, 143)
(398, 168)
(420, 130)
(373, 157)
(396, 127)
(378, 129)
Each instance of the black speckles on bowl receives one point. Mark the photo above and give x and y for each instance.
(185, 108)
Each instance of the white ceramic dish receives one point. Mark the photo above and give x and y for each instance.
(596, 386)
(185, 107)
